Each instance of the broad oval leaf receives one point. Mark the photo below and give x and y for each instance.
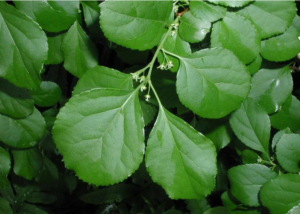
(103, 77)
(288, 116)
(48, 94)
(192, 29)
(237, 34)
(270, 19)
(53, 16)
(79, 51)
(22, 133)
(27, 163)
(14, 102)
(23, 48)
(246, 181)
(130, 24)
(281, 194)
(100, 135)
(180, 159)
(233, 3)
(4, 168)
(207, 11)
(288, 152)
(271, 88)
(283, 47)
(212, 82)
(251, 124)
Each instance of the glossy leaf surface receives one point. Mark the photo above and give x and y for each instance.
(212, 82)
(22, 133)
(288, 152)
(180, 159)
(246, 181)
(97, 126)
(251, 124)
(14, 102)
(79, 51)
(237, 34)
(24, 48)
(271, 88)
(281, 194)
(129, 23)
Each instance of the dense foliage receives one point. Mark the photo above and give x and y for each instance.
(149, 107)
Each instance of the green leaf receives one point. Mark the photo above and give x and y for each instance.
(91, 12)
(116, 193)
(4, 207)
(48, 94)
(237, 34)
(14, 102)
(135, 24)
(22, 133)
(288, 115)
(55, 55)
(217, 210)
(288, 152)
(281, 194)
(233, 3)
(101, 125)
(27, 163)
(103, 77)
(246, 181)
(207, 11)
(294, 210)
(192, 29)
(41, 198)
(177, 46)
(271, 88)
(197, 206)
(180, 159)
(270, 19)
(278, 135)
(79, 51)
(23, 48)
(251, 124)
(53, 16)
(4, 167)
(283, 47)
(212, 82)
(254, 66)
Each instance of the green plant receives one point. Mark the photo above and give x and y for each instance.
(190, 100)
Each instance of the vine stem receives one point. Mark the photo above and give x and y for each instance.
(161, 46)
